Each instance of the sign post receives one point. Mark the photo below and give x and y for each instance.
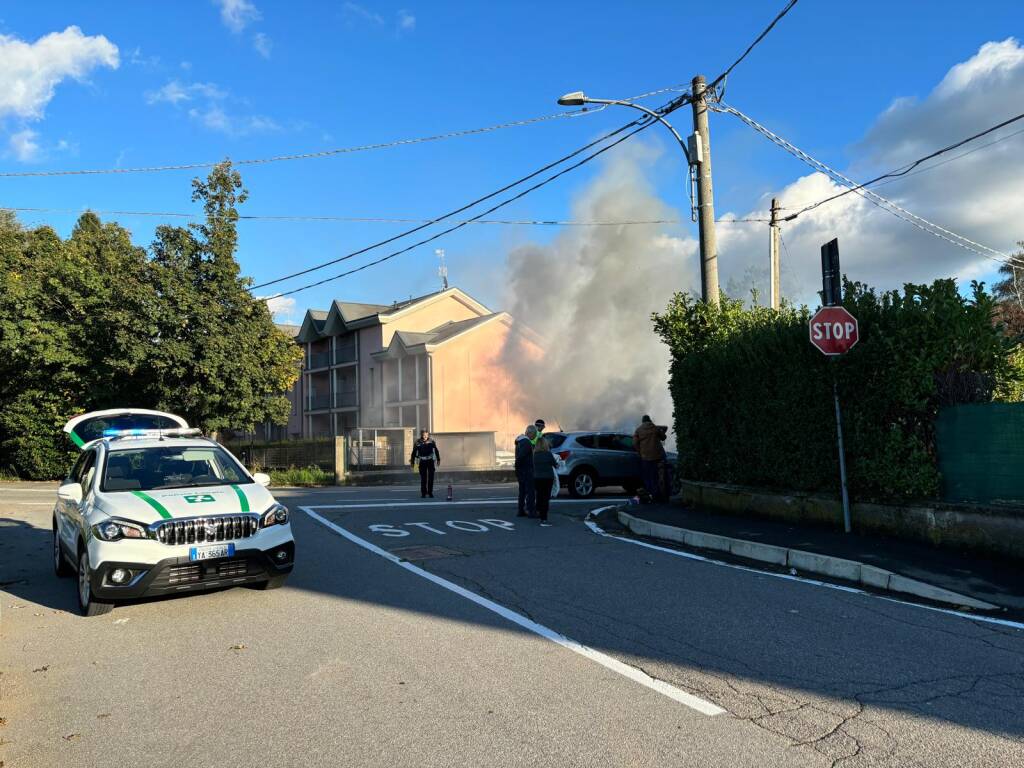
(834, 331)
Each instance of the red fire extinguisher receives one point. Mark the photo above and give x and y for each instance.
(449, 491)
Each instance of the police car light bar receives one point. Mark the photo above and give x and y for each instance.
(137, 432)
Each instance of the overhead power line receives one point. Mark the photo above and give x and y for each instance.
(753, 45)
(905, 170)
(328, 152)
(380, 219)
(885, 204)
(452, 213)
(640, 125)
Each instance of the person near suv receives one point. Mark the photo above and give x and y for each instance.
(648, 439)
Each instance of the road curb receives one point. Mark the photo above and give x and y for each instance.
(809, 562)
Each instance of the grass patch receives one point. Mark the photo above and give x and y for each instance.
(301, 476)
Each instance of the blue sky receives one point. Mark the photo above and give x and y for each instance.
(196, 82)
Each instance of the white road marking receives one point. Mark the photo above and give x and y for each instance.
(688, 699)
(440, 504)
(787, 577)
(51, 491)
(28, 503)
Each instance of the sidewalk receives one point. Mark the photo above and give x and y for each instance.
(988, 579)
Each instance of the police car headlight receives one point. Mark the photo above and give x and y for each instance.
(113, 530)
(276, 515)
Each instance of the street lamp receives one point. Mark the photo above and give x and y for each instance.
(700, 157)
(579, 99)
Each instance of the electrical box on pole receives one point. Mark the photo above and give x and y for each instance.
(831, 277)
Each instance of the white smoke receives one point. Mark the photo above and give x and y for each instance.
(589, 294)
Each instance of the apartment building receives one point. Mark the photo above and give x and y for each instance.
(434, 362)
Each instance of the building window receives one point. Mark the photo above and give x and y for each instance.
(409, 418)
(373, 389)
(408, 368)
(392, 417)
(391, 381)
(422, 377)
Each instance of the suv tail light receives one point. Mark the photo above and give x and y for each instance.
(564, 455)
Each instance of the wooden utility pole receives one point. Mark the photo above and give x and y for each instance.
(705, 196)
(773, 256)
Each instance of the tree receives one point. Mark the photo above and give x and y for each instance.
(1009, 292)
(95, 321)
(218, 358)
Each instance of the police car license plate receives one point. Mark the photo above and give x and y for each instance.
(208, 553)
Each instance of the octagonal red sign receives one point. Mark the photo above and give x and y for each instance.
(834, 330)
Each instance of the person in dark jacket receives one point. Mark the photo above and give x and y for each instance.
(425, 452)
(524, 471)
(648, 440)
(544, 463)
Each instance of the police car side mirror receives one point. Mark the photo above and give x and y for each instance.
(70, 491)
(262, 478)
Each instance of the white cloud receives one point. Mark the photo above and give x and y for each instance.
(406, 21)
(359, 12)
(214, 117)
(980, 195)
(282, 308)
(23, 145)
(207, 106)
(174, 92)
(262, 44)
(30, 72)
(237, 14)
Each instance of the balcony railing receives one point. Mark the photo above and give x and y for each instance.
(319, 402)
(319, 359)
(346, 399)
(345, 354)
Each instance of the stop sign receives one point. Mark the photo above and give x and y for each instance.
(834, 330)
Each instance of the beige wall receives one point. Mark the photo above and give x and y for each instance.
(429, 316)
(472, 389)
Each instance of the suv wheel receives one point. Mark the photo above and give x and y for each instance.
(87, 604)
(60, 565)
(582, 484)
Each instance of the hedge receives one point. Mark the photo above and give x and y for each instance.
(753, 399)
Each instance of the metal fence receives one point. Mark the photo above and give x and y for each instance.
(292, 453)
(981, 453)
(378, 448)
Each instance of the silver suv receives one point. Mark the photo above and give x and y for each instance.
(591, 460)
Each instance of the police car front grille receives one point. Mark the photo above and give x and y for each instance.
(207, 529)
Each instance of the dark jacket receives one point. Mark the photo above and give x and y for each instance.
(425, 450)
(543, 463)
(524, 456)
(648, 440)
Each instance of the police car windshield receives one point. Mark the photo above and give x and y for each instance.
(151, 469)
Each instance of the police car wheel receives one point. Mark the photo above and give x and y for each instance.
(275, 583)
(60, 564)
(87, 604)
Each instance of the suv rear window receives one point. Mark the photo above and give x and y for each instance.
(587, 441)
(554, 439)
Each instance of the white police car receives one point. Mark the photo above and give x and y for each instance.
(151, 508)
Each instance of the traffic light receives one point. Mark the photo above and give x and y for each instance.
(831, 277)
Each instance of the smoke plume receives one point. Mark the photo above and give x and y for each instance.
(589, 294)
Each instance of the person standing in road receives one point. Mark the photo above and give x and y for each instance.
(648, 440)
(544, 463)
(425, 452)
(524, 471)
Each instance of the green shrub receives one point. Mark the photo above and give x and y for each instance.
(753, 399)
(301, 476)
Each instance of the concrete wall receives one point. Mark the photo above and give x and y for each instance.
(994, 530)
(466, 449)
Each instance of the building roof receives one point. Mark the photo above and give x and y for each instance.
(407, 342)
(344, 316)
(289, 330)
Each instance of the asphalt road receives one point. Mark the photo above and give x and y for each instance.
(436, 634)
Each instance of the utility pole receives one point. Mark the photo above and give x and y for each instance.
(773, 256)
(705, 196)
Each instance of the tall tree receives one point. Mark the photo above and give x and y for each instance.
(1009, 292)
